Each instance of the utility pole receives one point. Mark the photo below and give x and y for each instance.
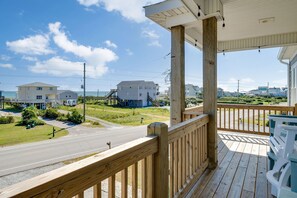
(84, 92)
(97, 93)
(238, 91)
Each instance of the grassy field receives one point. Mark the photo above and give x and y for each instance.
(11, 134)
(124, 116)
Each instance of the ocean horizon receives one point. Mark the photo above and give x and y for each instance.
(13, 94)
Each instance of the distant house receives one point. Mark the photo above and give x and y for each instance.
(192, 91)
(37, 94)
(67, 97)
(137, 93)
(266, 91)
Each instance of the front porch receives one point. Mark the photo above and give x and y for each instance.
(241, 171)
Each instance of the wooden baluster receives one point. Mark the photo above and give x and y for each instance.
(135, 180)
(225, 118)
(171, 164)
(243, 122)
(233, 119)
(80, 195)
(184, 160)
(229, 127)
(97, 190)
(220, 117)
(258, 121)
(191, 153)
(253, 120)
(248, 119)
(238, 119)
(111, 187)
(187, 159)
(176, 169)
(149, 176)
(124, 183)
(264, 121)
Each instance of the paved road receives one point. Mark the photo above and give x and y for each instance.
(27, 156)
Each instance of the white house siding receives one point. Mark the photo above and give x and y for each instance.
(293, 64)
(29, 94)
(135, 92)
(64, 95)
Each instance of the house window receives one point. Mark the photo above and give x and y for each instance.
(38, 97)
(51, 88)
(38, 88)
(140, 94)
(140, 87)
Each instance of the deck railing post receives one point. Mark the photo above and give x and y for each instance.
(160, 160)
(295, 110)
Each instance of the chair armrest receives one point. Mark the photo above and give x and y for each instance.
(286, 193)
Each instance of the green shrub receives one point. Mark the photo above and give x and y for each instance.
(75, 117)
(6, 119)
(62, 118)
(51, 113)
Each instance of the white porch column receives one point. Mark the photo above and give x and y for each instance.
(210, 86)
(177, 91)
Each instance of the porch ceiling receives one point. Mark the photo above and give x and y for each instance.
(249, 24)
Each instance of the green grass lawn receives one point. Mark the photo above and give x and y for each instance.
(11, 134)
(125, 116)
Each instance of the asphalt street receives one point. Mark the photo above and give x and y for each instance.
(80, 142)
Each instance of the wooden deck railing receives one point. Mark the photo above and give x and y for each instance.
(187, 154)
(249, 118)
(244, 118)
(74, 179)
(166, 163)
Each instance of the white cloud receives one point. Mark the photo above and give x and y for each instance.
(132, 10)
(129, 52)
(5, 57)
(59, 67)
(247, 80)
(88, 3)
(155, 43)
(110, 44)
(94, 57)
(32, 45)
(30, 58)
(6, 65)
(152, 36)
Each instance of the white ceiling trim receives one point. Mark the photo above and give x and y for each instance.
(276, 40)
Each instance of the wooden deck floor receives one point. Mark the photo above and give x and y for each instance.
(241, 171)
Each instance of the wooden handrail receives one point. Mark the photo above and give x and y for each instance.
(181, 129)
(73, 179)
(260, 107)
(243, 118)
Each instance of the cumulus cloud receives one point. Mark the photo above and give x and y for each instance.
(95, 58)
(6, 65)
(60, 67)
(132, 10)
(4, 58)
(29, 58)
(152, 36)
(32, 45)
(110, 44)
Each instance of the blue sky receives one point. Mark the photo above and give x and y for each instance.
(48, 41)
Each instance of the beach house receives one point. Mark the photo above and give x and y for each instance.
(137, 93)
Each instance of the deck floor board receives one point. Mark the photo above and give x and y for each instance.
(242, 166)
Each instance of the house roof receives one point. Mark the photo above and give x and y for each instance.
(135, 82)
(248, 24)
(62, 91)
(287, 53)
(37, 84)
